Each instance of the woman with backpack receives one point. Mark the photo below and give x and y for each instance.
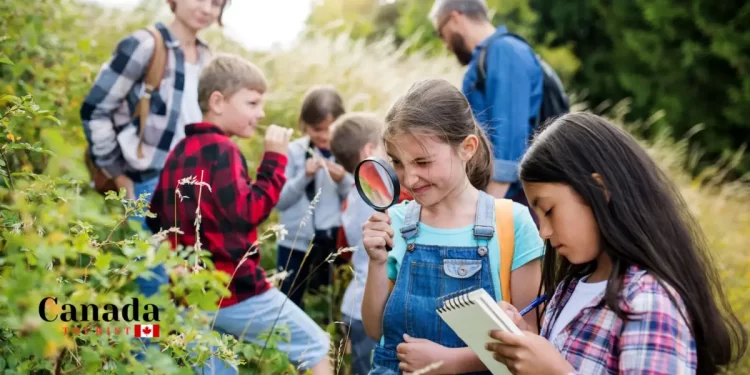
(141, 100)
(144, 96)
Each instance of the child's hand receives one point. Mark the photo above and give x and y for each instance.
(376, 234)
(513, 313)
(277, 139)
(419, 354)
(337, 172)
(311, 166)
(527, 354)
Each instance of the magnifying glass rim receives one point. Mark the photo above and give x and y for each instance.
(391, 174)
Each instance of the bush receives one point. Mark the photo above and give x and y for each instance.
(58, 238)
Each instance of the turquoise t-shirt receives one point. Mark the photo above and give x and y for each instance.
(528, 245)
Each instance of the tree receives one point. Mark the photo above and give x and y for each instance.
(688, 58)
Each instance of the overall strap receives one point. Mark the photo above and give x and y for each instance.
(484, 225)
(410, 229)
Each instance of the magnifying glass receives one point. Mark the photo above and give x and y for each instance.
(377, 184)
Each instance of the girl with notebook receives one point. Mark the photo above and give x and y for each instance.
(447, 237)
(634, 288)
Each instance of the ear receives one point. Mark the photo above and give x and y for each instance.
(367, 151)
(216, 103)
(599, 180)
(468, 147)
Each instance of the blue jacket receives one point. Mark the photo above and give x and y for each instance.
(513, 90)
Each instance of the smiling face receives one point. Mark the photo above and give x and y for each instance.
(426, 166)
(197, 14)
(240, 113)
(565, 220)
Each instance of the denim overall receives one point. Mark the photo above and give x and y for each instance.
(427, 273)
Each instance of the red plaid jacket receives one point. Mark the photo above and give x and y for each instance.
(230, 210)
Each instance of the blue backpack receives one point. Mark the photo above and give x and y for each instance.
(555, 102)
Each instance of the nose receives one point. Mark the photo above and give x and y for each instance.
(410, 177)
(545, 229)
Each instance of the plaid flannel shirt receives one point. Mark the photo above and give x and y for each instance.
(106, 113)
(655, 342)
(230, 212)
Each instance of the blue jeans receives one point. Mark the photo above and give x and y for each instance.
(148, 285)
(362, 346)
(427, 273)
(306, 344)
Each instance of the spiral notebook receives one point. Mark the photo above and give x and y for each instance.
(472, 314)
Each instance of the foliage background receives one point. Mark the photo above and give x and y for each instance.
(59, 238)
(688, 60)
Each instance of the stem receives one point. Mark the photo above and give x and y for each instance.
(276, 320)
(58, 362)
(7, 168)
(113, 229)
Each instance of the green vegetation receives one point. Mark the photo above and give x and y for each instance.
(59, 238)
(686, 61)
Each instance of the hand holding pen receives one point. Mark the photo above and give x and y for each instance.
(517, 317)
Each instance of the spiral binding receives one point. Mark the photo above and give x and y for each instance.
(455, 300)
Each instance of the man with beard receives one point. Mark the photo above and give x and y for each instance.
(507, 101)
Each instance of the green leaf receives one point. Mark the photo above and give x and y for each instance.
(9, 98)
(102, 261)
(5, 60)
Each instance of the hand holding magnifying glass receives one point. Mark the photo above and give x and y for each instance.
(377, 184)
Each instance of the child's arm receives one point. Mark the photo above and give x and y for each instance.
(524, 289)
(526, 274)
(657, 334)
(244, 203)
(112, 84)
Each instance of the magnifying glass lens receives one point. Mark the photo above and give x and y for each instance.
(375, 184)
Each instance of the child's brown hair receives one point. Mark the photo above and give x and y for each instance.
(349, 135)
(437, 107)
(320, 101)
(228, 74)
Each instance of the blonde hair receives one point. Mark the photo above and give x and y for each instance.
(437, 107)
(349, 135)
(228, 74)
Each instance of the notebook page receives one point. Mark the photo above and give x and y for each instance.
(472, 316)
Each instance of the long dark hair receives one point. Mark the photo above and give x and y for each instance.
(437, 107)
(644, 222)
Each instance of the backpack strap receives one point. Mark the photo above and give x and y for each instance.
(504, 223)
(154, 75)
(481, 64)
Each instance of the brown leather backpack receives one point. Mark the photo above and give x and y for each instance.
(100, 180)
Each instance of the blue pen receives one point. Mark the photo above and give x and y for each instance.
(534, 304)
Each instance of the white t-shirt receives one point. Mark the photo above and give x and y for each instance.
(190, 112)
(583, 294)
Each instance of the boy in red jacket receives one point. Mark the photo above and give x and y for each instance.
(230, 95)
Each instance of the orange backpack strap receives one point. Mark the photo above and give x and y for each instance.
(154, 75)
(504, 224)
